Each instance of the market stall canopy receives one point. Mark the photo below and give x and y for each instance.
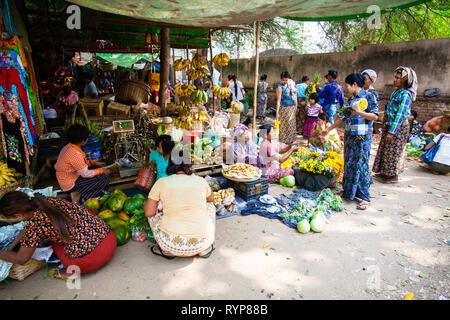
(215, 13)
(46, 22)
(126, 60)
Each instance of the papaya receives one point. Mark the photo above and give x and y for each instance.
(123, 216)
(106, 214)
(115, 222)
(122, 234)
(116, 202)
(93, 204)
(118, 192)
(104, 199)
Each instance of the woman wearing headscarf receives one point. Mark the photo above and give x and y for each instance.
(389, 159)
(372, 95)
(286, 109)
(244, 150)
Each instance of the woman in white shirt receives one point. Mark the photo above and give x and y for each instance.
(441, 161)
(237, 89)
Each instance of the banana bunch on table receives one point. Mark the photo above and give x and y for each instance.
(186, 123)
(181, 64)
(221, 92)
(221, 59)
(201, 116)
(8, 175)
(183, 90)
(237, 106)
(225, 200)
(199, 97)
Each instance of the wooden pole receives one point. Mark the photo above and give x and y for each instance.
(212, 72)
(164, 73)
(255, 91)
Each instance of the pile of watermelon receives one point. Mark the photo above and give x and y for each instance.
(116, 209)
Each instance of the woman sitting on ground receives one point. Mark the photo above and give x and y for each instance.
(186, 225)
(164, 146)
(441, 161)
(77, 236)
(416, 129)
(331, 141)
(271, 157)
(72, 168)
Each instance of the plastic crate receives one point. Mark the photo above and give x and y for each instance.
(250, 190)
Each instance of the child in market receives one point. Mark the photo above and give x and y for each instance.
(164, 145)
(330, 142)
(313, 111)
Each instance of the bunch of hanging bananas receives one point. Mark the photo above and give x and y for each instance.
(201, 116)
(197, 73)
(198, 61)
(7, 175)
(221, 59)
(199, 97)
(221, 92)
(183, 90)
(186, 123)
(181, 64)
(237, 106)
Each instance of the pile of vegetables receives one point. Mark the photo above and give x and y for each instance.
(201, 151)
(311, 214)
(94, 128)
(123, 214)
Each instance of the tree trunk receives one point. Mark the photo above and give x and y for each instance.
(164, 75)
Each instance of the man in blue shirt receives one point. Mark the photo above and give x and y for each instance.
(332, 94)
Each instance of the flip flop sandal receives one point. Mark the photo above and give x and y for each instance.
(206, 256)
(161, 254)
(59, 277)
(363, 205)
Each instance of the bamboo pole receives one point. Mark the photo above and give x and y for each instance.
(255, 91)
(173, 66)
(212, 72)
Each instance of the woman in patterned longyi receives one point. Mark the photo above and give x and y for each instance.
(77, 236)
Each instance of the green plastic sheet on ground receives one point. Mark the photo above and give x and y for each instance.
(215, 13)
(126, 59)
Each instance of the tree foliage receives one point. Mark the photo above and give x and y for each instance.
(274, 33)
(429, 20)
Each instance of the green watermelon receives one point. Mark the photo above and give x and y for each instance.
(115, 222)
(139, 196)
(132, 204)
(122, 234)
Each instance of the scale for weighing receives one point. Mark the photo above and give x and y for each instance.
(124, 128)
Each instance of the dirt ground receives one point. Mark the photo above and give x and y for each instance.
(398, 245)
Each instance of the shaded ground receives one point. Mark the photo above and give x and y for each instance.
(397, 246)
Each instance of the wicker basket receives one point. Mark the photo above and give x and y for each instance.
(133, 92)
(21, 271)
(12, 186)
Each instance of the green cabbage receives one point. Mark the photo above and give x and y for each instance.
(288, 181)
(303, 226)
(318, 223)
